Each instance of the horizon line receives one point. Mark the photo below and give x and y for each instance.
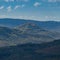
(31, 19)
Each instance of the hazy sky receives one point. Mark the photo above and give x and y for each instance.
(30, 9)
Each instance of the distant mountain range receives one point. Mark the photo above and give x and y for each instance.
(27, 32)
(49, 25)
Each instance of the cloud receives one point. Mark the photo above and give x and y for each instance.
(17, 6)
(6, 0)
(1, 7)
(50, 17)
(9, 0)
(9, 8)
(23, 6)
(22, 0)
(52, 0)
(2, 16)
(36, 4)
(25, 0)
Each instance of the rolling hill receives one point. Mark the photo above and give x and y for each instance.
(26, 33)
(29, 51)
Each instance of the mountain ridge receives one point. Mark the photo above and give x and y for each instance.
(49, 25)
(26, 33)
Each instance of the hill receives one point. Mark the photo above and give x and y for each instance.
(45, 51)
(26, 33)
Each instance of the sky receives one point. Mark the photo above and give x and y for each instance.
(41, 10)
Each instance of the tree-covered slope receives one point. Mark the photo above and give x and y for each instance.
(45, 51)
